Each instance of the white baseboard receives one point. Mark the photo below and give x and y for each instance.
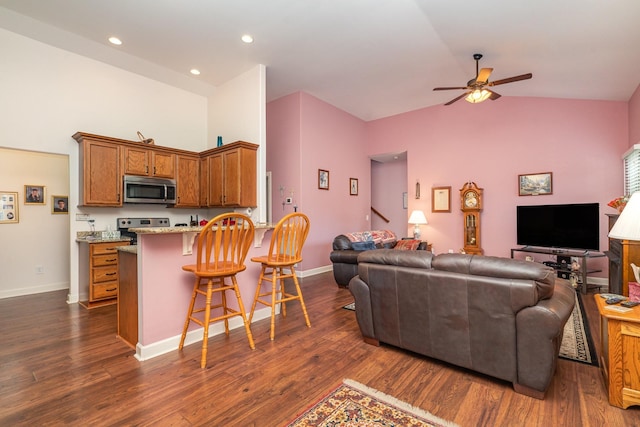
(32, 290)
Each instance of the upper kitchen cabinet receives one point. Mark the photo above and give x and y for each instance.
(188, 181)
(231, 171)
(100, 172)
(146, 161)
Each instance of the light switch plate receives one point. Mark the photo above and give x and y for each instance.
(82, 217)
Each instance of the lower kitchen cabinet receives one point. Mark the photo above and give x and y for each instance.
(99, 272)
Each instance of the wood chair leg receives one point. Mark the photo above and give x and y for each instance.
(299, 291)
(207, 317)
(189, 314)
(243, 313)
(257, 295)
(274, 285)
(281, 291)
(225, 309)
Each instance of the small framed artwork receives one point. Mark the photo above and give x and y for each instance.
(8, 207)
(60, 204)
(441, 199)
(353, 186)
(323, 179)
(535, 184)
(34, 195)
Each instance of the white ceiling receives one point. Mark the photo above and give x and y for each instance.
(372, 58)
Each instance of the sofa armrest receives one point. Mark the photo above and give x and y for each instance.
(539, 335)
(362, 296)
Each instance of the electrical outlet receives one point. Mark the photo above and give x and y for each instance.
(39, 269)
(288, 200)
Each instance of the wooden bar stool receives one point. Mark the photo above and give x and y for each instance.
(285, 250)
(222, 248)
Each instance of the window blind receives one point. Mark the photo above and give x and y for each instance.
(632, 170)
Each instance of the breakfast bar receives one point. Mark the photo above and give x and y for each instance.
(164, 289)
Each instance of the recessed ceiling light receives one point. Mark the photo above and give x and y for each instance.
(195, 72)
(115, 40)
(247, 39)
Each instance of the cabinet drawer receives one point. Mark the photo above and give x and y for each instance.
(105, 248)
(105, 274)
(105, 290)
(109, 259)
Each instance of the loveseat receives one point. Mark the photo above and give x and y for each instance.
(497, 316)
(347, 247)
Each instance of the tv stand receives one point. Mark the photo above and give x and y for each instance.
(583, 255)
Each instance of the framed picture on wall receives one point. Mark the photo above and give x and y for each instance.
(441, 199)
(353, 186)
(34, 195)
(323, 179)
(535, 184)
(8, 207)
(60, 204)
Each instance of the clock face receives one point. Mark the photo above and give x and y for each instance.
(471, 199)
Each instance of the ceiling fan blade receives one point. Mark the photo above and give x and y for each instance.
(511, 79)
(449, 88)
(483, 75)
(457, 98)
(494, 95)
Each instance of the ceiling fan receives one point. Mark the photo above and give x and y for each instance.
(477, 87)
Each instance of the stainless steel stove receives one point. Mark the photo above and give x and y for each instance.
(124, 224)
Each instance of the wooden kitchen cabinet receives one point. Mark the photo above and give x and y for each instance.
(204, 181)
(127, 310)
(100, 173)
(99, 271)
(232, 173)
(188, 181)
(144, 161)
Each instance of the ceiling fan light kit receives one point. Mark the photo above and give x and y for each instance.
(476, 87)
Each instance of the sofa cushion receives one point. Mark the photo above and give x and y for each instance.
(407, 245)
(363, 246)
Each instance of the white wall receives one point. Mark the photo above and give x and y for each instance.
(48, 94)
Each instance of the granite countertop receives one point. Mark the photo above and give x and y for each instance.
(132, 249)
(91, 237)
(187, 229)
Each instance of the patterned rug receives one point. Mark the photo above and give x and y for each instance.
(354, 404)
(577, 344)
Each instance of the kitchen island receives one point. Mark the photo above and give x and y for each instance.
(164, 290)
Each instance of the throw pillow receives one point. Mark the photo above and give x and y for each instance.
(363, 246)
(407, 245)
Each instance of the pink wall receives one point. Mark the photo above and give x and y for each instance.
(321, 137)
(634, 118)
(491, 143)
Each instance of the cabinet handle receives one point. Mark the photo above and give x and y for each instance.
(111, 260)
(111, 290)
(110, 274)
(146, 169)
(154, 170)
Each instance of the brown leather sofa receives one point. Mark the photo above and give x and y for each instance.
(344, 256)
(497, 316)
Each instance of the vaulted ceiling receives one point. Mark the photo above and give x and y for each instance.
(371, 58)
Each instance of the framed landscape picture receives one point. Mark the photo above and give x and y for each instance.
(535, 184)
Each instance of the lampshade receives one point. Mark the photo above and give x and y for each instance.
(627, 227)
(417, 217)
(478, 95)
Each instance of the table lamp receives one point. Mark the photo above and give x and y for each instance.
(417, 218)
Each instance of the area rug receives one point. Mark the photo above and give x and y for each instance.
(354, 404)
(577, 344)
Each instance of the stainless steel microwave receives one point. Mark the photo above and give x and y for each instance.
(139, 189)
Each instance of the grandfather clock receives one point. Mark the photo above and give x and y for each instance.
(471, 205)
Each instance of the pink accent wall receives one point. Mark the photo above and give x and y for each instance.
(305, 134)
(634, 118)
(491, 143)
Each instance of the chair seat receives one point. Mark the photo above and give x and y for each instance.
(276, 261)
(223, 269)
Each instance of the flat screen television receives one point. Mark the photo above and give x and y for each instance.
(571, 226)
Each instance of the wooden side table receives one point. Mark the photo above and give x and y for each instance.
(620, 353)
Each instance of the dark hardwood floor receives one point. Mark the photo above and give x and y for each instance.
(63, 365)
